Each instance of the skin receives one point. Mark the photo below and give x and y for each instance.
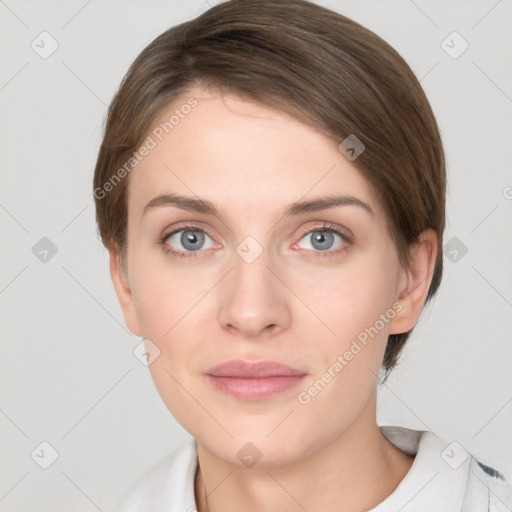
(285, 306)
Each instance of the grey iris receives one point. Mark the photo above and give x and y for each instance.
(192, 240)
(321, 237)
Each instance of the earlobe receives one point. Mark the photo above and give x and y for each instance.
(415, 282)
(124, 293)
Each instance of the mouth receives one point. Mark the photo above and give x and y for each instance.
(254, 388)
(254, 381)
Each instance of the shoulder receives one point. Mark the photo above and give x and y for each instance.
(444, 476)
(487, 489)
(167, 486)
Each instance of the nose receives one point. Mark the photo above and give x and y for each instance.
(253, 298)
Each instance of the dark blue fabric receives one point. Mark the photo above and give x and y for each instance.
(491, 471)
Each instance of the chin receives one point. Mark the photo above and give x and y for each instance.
(255, 448)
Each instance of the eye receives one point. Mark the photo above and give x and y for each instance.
(190, 238)
(322, 238)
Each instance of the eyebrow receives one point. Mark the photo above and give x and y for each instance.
(296, 208)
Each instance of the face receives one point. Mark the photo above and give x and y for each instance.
(255, 280)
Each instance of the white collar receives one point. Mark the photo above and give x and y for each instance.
(431, 483)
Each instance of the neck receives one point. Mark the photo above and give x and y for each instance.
(356, 471)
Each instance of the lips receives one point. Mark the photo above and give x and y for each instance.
(253, 381)
(243, 369)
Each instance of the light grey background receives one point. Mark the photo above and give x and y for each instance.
(68, 374)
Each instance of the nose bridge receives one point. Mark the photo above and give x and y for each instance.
(253, 298)
(251, 263)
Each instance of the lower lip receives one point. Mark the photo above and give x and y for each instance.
(255, 389)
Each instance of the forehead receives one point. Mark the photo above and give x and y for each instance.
(237, 152)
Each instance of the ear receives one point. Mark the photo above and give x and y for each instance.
(124, 293)
(414, 283)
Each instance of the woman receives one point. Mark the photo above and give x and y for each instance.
(271, 189)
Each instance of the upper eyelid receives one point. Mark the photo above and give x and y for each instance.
(187, 227)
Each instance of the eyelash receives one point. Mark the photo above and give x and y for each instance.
(315, 254)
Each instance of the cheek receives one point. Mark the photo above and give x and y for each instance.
(350, 298)
(170, 308)
(165, 298)
(169, 312)
(356, 305)
(353, 306)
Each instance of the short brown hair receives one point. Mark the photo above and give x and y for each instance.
(305, 60)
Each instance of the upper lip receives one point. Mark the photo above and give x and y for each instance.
(239, 368)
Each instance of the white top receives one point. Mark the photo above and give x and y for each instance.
(442, 478)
